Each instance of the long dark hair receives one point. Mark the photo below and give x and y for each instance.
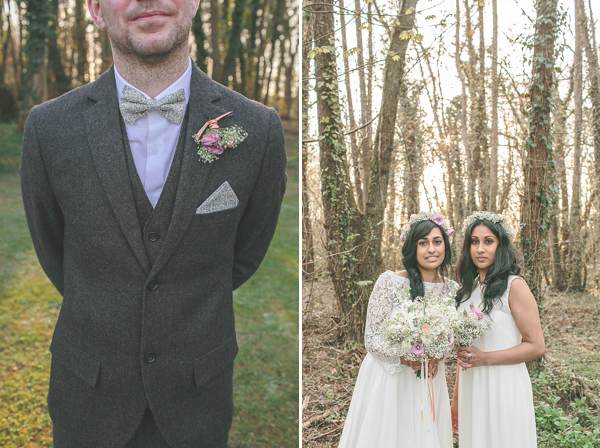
(496, 280)
(409, 255)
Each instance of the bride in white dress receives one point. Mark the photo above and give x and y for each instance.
(387, 404)
(493, 399)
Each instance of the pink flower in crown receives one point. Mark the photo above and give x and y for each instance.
(476, 312)
(211, 142)
(418, 348)
(450, 232)
(425, 329)
(451, 339)
(406, 227)
(438, 219)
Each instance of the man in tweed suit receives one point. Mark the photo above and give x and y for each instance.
(145, 242)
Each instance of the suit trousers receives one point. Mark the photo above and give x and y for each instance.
(147, 436)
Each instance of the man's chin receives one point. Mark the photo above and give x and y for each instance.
(157, 49)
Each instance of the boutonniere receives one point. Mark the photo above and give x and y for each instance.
(217, 139)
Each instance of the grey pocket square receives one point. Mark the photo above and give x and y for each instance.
(223, 198)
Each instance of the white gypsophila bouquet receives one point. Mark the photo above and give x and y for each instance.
(470, 326)
(422, 328)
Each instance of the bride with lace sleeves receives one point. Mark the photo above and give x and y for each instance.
(381, 304)
(387, 408)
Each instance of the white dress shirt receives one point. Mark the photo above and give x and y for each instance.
(153, 139)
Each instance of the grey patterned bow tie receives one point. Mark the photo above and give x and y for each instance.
(134, 104)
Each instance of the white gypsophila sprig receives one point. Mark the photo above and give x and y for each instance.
(426, 216)
(422, 328)
(470, 326)
(493, 217)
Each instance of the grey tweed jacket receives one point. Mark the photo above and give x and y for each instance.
(131, 334)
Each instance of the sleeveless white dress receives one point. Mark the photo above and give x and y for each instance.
(385, 411)
(495, 403)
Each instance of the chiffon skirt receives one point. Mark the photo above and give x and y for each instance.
(495, 408)
(389, 410)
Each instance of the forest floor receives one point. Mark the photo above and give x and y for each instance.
(266, 391)
(566, 385)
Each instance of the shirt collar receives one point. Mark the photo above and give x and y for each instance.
(183, 82)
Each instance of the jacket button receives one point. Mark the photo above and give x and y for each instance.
(152, 237)
(152, 285)
(150, 357)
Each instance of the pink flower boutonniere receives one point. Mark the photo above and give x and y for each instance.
(217, 139)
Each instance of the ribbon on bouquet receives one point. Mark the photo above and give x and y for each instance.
(427, 391)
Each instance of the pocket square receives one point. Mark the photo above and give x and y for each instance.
(223, 198)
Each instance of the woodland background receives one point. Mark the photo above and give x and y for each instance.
(48, 47)
(438, 105)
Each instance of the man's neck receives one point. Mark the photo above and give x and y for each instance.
(152, 78)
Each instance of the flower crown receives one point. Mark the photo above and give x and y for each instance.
(493, 217)
(425, 216)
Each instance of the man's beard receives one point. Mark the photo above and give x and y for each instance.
(151, 53)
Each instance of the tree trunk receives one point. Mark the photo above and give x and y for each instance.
(365, 112)
(575, 262)
(354, 151)
(494, 146)
(308, 251)
(79, 36)
(535, 205)
(594, 94)
(234, 47)
(471, 173)
(217, 68)
(384, 138)
(341, 216)
(202, 53)
(561, 254)
(408, 124)
(480, 150)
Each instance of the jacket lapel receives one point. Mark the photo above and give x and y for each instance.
(203, 106)
(106, 145)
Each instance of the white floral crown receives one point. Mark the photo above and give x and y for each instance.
(493, 217)
(426, 216)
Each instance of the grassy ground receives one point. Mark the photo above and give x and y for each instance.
(266, 375)
(566, 386)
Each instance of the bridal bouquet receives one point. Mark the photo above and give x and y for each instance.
(470, 326)
(422, 328)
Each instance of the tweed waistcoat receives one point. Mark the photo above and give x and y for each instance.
(154, 222)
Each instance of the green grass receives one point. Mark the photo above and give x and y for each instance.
(266, 307)
(266, 373)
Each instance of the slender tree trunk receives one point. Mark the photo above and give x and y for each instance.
(494, 146)
(561, 254)
(575, 262)
(367, 108)
(308, 252)
(471, 173)
(539, 151)
(481, 127)
(365, 113)
(80, 44)
(235, 44)
(354, 151)
(217, 68)
(202, 53)
(408, 124)
(594, 94)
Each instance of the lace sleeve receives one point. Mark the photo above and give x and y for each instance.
(380, 307)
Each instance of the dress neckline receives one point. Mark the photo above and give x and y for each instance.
(426, 283)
